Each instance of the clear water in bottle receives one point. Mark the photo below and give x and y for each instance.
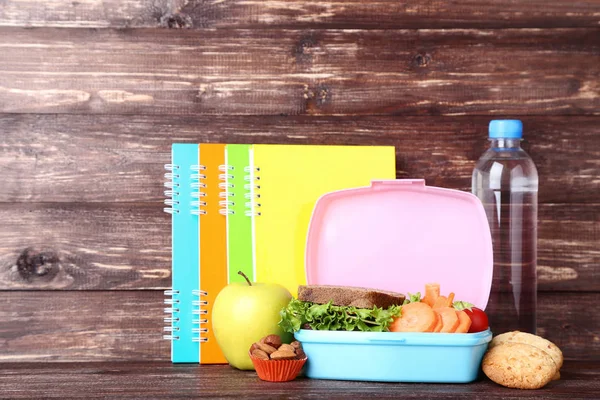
(505, 179)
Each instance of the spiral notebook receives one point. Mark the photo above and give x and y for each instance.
(213, 242)
(183, 311)
(286, 181)
(239, 207)
(195, 194)
(239, 225)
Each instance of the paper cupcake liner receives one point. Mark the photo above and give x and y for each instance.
(277, 370)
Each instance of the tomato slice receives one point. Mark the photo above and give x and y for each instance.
(479, 319)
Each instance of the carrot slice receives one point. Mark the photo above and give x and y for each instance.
(450, 299)
(449, 319)
(415, 317)
(438, 325)
(464, 322)
(432, 292)
(441, 301)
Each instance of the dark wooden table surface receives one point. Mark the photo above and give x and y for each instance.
(145, 380)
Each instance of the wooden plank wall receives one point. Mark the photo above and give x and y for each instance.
(93, 93)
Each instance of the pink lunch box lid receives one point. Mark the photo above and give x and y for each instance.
(398, 235)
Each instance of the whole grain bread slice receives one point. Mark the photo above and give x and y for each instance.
(349, 296)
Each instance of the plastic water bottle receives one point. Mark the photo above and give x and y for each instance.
(506, 181)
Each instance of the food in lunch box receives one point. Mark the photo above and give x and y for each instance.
(415, 317)
(478, 317)
(421, 317)
(437, 313)
(275, 361)
(349, 296)
(341, 308)
(325, 307)
(522, 360)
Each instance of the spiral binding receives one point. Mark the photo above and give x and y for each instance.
(197, 194)
(171, 201)
(226, 205)
(172, 320)
(252, 194)
(199, 325)
(171, 193)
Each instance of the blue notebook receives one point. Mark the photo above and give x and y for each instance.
(183, 301)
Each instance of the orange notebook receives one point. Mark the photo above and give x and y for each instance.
(213, 245)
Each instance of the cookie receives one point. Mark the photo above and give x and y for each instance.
(519, 365)
(502, 338)
(533, 340)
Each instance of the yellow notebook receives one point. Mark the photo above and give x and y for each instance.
(285, 183)
(213, 244)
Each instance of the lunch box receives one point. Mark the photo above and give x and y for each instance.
(394, 356)
(398, 235)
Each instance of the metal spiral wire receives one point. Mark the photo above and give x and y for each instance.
(172, 186)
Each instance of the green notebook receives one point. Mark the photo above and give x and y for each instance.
(239, 223)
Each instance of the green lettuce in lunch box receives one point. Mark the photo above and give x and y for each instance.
(434, 313)
(299, 314)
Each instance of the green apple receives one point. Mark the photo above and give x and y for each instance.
(243, 313)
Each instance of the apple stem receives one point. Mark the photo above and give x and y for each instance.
(245, 277)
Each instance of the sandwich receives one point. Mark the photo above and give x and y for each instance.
(341, 308)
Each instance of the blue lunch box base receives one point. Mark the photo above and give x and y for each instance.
(394, 356)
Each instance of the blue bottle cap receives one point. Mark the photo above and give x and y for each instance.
(506, 129)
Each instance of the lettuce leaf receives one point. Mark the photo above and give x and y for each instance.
(412, 298)
(302, 315)
(463, 305)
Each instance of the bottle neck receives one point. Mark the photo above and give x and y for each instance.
(505, 144)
